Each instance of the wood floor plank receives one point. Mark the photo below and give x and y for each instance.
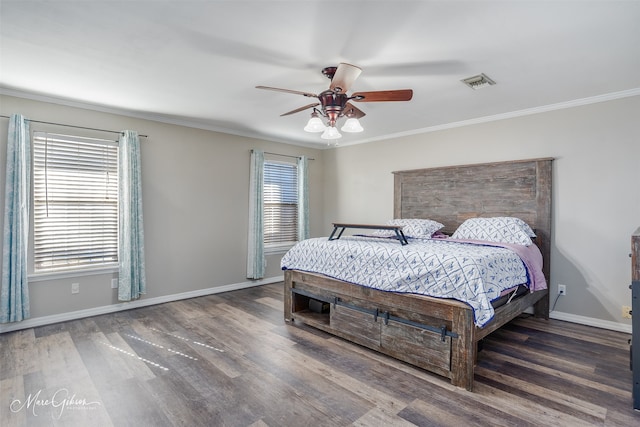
(575, 349)
(60, 387)
(606, 337)
(378, 417)
(381, 399)
(587, 394)
(298, 401)
(526, 409)
(59, 359)
(618, 418)
(130, 404)
(16, 352)
(573, 405)
(12, 393)
(537, 356)
(560, 373)
(443, 412)
(129, 360)
(213, 352)
(271, 302)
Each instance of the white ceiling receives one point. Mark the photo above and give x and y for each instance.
(198, 62)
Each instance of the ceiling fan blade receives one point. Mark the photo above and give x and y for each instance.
(383, 95)
(296, 92)
(344, 77)
(297, 110)
(352, 110)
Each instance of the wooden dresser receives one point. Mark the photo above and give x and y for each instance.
(635, 310)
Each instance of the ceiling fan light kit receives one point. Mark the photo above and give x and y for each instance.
(335, 103)
(352, 125)
(331, 133)
(315, 123)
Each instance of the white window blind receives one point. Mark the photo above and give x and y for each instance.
(75, 202)
(280, 203)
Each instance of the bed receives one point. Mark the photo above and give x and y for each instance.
(436, 334)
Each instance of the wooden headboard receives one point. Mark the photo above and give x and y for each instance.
(452, 194)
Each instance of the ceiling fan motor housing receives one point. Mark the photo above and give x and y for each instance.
(332, 105)
(329, 72)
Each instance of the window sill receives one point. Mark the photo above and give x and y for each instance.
(64, 274)
(278, 249)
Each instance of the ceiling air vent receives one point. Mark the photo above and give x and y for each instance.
(478, 82)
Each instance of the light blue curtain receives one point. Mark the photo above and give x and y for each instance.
(14, 293)
(303, 198)
(131, 274)
(255, 255)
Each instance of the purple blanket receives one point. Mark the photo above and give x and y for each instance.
(531, 257)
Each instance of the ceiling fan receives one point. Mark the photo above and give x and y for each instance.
(335, 103)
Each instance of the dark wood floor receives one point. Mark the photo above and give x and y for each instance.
(229, 359)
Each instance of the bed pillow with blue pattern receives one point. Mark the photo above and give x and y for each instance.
(496, 229)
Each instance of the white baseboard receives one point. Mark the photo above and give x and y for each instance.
(112, 308)
(590, 321)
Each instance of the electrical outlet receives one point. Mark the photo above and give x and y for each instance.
(562, 290)
(75, 288)
(626, 312)
(114, 283)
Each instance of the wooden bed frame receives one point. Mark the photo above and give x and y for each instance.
(438, 335)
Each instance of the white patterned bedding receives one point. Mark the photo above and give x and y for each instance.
(473, 273)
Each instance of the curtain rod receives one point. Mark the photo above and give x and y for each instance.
(283, 155)
(73, 126)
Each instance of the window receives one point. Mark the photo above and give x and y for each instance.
(75, 202)
(280, 203)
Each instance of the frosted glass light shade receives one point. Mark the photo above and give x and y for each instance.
(331, 133)
(314, 125)
(352, 125)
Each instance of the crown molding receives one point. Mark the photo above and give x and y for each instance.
(159, 118)
(510, 115)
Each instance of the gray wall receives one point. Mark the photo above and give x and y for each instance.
(195, 201)
(596, 199)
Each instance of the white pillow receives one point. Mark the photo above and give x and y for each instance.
(525, 227)
(496, 229)
(417, 228)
